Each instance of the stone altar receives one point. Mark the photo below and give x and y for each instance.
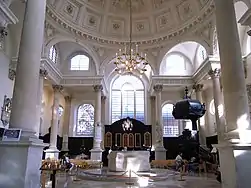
(137, 161)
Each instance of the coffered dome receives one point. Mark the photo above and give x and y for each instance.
(107, 21)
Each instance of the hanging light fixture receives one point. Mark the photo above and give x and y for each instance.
(130, 59)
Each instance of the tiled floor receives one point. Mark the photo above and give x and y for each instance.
(203, 181)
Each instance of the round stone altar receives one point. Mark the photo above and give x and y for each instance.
(122, 161)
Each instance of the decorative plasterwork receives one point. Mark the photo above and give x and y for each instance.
(6, 15)
(203, 11)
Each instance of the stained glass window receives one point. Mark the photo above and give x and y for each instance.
(85, 120)
(170, 124)
(53, 54)
(80, 62)
(127, 98)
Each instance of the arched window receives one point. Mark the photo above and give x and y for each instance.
(85, 120)
(170, 124)
(127, 99)
(175, 64)
(80, 62)
(53, 54)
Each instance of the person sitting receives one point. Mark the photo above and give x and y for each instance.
(179, 162)
(67, 162)
(192, 165)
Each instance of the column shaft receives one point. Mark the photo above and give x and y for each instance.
(201, 126)
(160, 152)
(218, 104)
(26, 153)
(27, 72)
(67, 113)
(55, 116)
(233, 80)
(96, 152)
(42, 74)
(159, 121)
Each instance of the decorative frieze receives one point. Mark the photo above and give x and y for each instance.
(158, 88)
(98, 88)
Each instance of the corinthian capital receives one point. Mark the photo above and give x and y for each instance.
(57, 88)
(158, 88)
(214, 73)
(97, 88)
(12, 74)
(43, 73)
(153, 98)
(198, 87)
(67, 98)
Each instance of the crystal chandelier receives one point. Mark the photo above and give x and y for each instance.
(130, 59)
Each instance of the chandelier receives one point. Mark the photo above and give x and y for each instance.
(130, 59)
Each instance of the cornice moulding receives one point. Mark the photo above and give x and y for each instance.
(6, 15)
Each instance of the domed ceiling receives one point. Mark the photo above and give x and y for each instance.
(108, 20)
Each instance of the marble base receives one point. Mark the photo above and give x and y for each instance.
(234, 165)
(20, 163)
(121, 161)
(52, 153)
(96, 154)
(160, 153)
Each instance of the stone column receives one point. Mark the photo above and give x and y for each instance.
(27, 153)
(233, 79)
(96, 152)
(160, 152)
(235, 155)
(53, 152)
(42, 74)
(103, 117)
(153, 114)
(67, 113)
(218, 103)
(201, 125)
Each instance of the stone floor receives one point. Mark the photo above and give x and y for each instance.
(191, 181)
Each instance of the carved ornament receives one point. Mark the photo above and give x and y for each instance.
(98, 88)
(158, 88)
(12, 74)
(57, 88)
(43, 73)
(198, 87)
(214, 73)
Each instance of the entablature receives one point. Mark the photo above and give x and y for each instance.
(6, 15)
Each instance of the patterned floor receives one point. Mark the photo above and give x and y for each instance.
(172, 182)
